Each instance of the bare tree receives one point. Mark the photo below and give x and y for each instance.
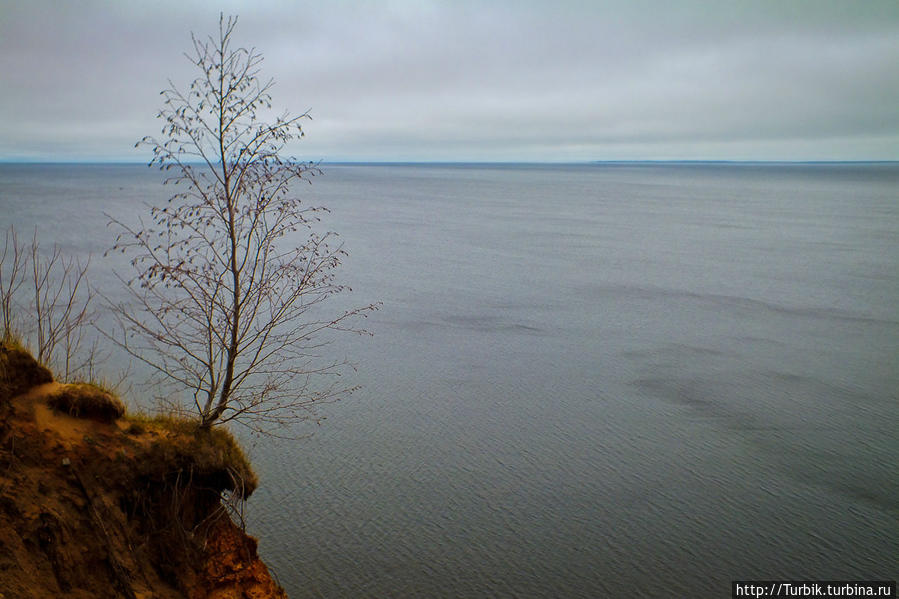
(61, 306)
(230, 273)
(45, 301)
(12, 276)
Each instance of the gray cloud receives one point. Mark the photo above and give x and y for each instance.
(476, 81)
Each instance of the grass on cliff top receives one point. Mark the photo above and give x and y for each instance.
(180, 440)
(209, 450)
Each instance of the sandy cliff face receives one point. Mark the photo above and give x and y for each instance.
(93, 505)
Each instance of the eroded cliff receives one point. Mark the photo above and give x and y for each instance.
(94, 503)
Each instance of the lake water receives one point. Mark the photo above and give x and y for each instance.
(585, 381)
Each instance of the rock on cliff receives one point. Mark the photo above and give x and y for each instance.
(95, 504)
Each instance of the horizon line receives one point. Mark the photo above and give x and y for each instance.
(485, 162)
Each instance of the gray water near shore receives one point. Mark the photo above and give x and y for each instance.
(603, 380)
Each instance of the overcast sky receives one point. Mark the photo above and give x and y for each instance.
(469, 81)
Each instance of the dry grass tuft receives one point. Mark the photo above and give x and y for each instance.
(87, 400)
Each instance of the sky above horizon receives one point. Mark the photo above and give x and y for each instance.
(514, 80)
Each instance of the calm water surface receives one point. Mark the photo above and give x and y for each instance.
(585, 381)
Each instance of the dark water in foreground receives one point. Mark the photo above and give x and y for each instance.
(584, 381)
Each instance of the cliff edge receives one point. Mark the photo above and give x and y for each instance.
(94, 503)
